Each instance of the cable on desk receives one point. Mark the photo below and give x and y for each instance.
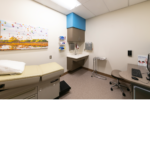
(144, 82)
(144, 73)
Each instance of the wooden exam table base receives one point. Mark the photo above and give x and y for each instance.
(36, 82)
(48, 89)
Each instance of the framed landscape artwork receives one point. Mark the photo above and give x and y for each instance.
(16, 36)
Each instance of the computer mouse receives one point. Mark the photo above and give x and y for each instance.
(134, 78)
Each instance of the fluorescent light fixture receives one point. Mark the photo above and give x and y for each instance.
(68, 4)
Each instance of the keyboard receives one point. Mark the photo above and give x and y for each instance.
(136, 73)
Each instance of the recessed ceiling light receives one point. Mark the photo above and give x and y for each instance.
(68, 4)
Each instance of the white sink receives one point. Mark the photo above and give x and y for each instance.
(77, 56)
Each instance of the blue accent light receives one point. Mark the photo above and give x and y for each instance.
(75, 21)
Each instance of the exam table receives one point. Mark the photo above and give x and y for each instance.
(36, 82)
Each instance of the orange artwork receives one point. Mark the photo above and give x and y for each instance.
(16, 36)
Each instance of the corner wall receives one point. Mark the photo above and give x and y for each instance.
(115, 33)
(32, 13)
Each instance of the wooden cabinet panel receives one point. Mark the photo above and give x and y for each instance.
(75, 35)
(73, 64)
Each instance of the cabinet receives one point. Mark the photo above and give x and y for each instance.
(73, 64)
(141, 93)
(26, 92)
(75, 35)
(75, 21)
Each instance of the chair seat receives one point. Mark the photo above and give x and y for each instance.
(115, 74)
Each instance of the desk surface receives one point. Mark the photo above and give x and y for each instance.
(127, 75)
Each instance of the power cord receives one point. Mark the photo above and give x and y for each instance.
(144, 73)
(144, 82)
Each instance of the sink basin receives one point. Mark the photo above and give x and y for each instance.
(77, 56)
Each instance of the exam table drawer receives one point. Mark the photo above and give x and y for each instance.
(19, 83)
(32, 97)
(49, 89)
(19, 93)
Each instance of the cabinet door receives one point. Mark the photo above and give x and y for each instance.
(49, 89)
(82, 36)
(32, 97)
(70, 35)
(75, 35)
(27, 95)
(141, 93)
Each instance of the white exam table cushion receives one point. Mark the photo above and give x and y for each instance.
(29, 72)
(34, 71)
(51, 70)
(11, 67)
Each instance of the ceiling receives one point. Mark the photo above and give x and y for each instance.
(91, 8)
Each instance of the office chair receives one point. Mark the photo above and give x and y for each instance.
(115, 74)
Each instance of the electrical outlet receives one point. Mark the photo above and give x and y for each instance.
(50, 57)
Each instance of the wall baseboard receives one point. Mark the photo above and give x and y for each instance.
(64, 74)
(91, 71)
(107, 75)
(104, 74)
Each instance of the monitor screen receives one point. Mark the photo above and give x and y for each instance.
(148, 63)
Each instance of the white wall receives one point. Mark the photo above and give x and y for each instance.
(115, 33)
(32, 13)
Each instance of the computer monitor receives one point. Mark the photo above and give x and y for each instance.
(148, 63)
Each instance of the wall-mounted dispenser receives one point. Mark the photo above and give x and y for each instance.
(71, 46)
(62, 43)
(89, 46)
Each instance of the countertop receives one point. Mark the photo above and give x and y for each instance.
(78, 56)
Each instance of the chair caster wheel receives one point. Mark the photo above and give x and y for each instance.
(124, 94)
(110, 83)
(128, 89)
(111, 89)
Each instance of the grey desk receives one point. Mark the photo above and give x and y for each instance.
(141, 87)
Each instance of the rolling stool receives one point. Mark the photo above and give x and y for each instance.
(115, 74)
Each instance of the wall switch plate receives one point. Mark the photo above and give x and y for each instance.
(50, 57)
(130, 53)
